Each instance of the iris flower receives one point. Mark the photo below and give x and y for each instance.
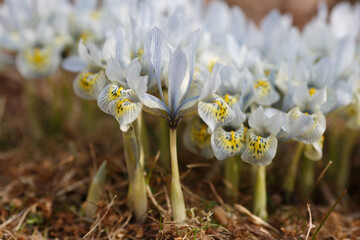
(213, 110)
(91, 63)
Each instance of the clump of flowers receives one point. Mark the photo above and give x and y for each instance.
(246, 89)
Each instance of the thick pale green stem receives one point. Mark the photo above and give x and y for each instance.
(137, 187)
(307, 175)
(290, 178)
(177, 198)
(143, 139)
(260, 195)
(344, 167)
(137, 195)
(95, 190)
(232, 176)
(138, 132)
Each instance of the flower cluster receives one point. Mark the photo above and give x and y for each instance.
(247, 87)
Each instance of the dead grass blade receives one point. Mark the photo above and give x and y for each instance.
(217, 196)
(153, 200)
(196, 165)
(121, 228)
(23, 217)
(311, 226)
(102, 218)
(255, 218)
(13, 218)
(320, 177)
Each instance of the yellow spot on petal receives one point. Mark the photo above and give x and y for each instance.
(211, 65)
(228, 143)
(233, 138)
(215, 110)
(312, 91)
(115, 92)
(258, 145)
(87, 81)
(261, 83)
(120, 105)
(85, 36)
(37, 58)
(230, 99)
(139, 53)
(95, 15)
(221, 108)
(226, 98)
(199, 133)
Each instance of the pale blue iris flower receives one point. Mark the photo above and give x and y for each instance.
(180, 72)
(229, 140)
(91, 64)
(261, 142)
(29, 31)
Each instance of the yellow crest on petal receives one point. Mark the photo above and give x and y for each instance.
(36, 62)
(197, 139)
(214, 111)
(230, 100)
(266, 94)
(126, 108)
(37, 58)
(228, 143)
(259, 150)
(317, 129)
(89, 84)
(109, 94)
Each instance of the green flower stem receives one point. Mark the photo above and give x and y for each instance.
(88, 110)
(290, 178)
(95, 190)
(56, 120)
(31, 103)
(177, 198)
(164, 144)
(232, 175)
(137, 187)
(143, 139)
(67, 96)
(344, 166)
(307, 175)
(260, 195)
